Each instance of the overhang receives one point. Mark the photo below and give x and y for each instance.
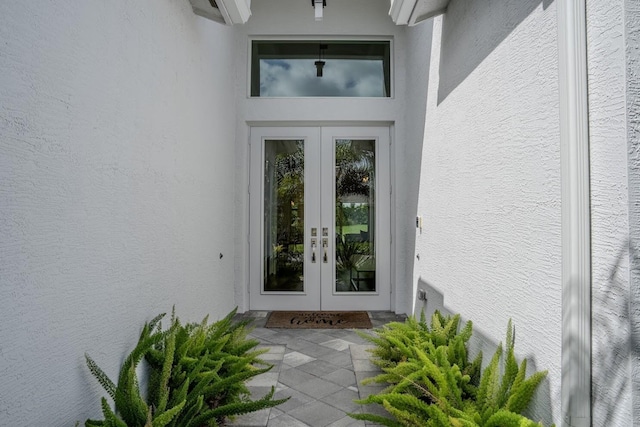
(228, 12)
(412, 12)
(402, 12)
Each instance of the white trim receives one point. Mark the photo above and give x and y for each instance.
(401, 10)
(380, 299)
(235, 11)
(412, 12)
(393, 289)
(318, 123)
(328, 38)
(576, 231)
(319, 295)
(229, 12)
(309, 299)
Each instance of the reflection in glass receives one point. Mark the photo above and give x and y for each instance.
(355, 216)
(284, 215)
(352, 68)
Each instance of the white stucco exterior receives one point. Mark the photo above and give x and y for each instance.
(632, 49)
(613, 116)
(124, 131)
(489, 175)
(116, 152)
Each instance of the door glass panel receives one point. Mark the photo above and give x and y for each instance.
(284, 216)
(355, 215)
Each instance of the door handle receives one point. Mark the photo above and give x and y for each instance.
(313, 250)
(325, 245)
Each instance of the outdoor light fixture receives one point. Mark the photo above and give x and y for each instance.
(320, 63)
(318, 5)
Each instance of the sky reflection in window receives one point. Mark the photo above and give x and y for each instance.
(352, 68)
(341, 77)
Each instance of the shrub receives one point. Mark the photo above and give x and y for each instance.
(432, 383)
(197, 375)
(408, 344)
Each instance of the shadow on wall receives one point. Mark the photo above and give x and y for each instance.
(419, 41)
(615, 373)
(540, 407)
(471, 30)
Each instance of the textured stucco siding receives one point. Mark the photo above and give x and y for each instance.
(489, 193)
(607, 68)
(116, 195)
(632, 35)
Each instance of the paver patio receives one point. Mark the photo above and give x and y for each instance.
(320, 369)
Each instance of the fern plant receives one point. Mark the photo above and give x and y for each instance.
(131, 410)
(197, 375)
(430, 384)
(414, 341)
(210, 364)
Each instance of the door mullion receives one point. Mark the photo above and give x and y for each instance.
(327, 215)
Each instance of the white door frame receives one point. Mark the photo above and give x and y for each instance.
(318, 295)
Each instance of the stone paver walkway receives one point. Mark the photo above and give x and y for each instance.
(320, 369)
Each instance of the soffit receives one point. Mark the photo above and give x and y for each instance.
(402, 12)
(412, 12)
(228, 12)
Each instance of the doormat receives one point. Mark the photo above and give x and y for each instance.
(319, 320)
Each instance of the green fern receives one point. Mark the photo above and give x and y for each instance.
(131, 409)
(431, 382)
(413, 346)
(197, 375)
(102, 378)
(209, 367)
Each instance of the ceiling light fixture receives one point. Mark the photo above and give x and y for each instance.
(318, 5)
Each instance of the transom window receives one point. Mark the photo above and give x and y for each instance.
(285, 68)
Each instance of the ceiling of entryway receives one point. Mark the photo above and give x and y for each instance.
(402, 12)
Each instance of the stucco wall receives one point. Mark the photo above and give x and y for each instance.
(489, 194)
(116, 161)
(611, 327)
(632, 38)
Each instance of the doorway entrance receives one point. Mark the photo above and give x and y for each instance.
(320, 218)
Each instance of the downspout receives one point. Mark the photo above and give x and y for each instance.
(576, 214)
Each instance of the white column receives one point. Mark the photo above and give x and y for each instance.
(576, 218)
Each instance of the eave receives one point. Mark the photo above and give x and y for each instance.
(228, 12)
(412, 12)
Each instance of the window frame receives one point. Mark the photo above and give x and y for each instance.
(316, 39)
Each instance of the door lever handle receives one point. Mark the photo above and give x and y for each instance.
(325, 245)
(313, 250)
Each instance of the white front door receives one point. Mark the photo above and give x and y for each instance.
(320, 218)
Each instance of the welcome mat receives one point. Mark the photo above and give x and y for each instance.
(319, 320)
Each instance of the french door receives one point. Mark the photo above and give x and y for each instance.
(319, 218)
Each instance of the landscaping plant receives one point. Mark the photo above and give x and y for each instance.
(197, 375)
(432, 383)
